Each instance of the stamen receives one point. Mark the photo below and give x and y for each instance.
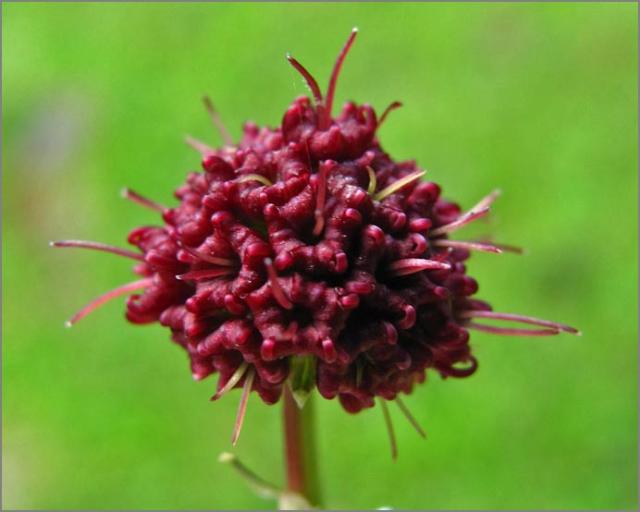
(255, 177)
(409, 266)
(459, 244)
(131, 195)
(233, 380)
(373, 181)
(321, 196)
(479, 210)
(407, 413)
(215, 117)
(510, 331)
(389, 425)
(388, 110)
(507, 248)
(519, 318)
(276, 289)
(334, 78)
(308, 77)
(397, 185)
(97, 246)
(242, 407)
(488, 200)
(117, 292)
(461, 221)
(210, 259)
(199, 146)
(199, 275)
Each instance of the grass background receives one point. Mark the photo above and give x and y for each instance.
(539, 100)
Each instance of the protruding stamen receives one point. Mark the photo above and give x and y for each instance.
(407, 413)
(215, 117)
(199, 275)
(479, 210)
(263, 488)
(373, 181)
(390, 431)
(308, 77)
(97, 246)
(470, 246)
(210, 259)
(519, 318)
(321, 196)
(388, 110)
(487, 200)
(409, 266)
(334, 78)
(233, 380)
(117, 292)
(276, 289)
(198, 145)
(242, 406)
(131, 195)
(507, 248)
(507, 331)
(398, 184)
(255, 177)
(461, 221)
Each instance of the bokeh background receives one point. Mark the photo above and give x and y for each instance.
(539, 100)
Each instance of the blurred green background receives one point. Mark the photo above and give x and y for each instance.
(539, 100)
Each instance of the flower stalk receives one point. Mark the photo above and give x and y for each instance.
(299, 451)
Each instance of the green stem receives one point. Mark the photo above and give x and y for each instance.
(299, 447)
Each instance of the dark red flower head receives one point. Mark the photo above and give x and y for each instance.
(309, 240)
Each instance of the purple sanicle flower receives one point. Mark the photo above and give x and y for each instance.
(309, 241)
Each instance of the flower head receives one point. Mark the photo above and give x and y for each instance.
(307, 246)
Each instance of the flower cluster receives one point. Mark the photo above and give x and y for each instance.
(308, 240)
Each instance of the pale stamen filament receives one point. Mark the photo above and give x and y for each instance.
(389, 424)
(217, 121)
(255, 177)
(470, 246)
(487, 200)
(399, 184)
(131, 195)
(409, 266)
(199, 146)
(373, 181)
(461, 221)
(233, 380)
(97, 246)
(199, 275)
(242, 406)
(508, 331)
(117, 292)
(510, 317)
(215, 260)
(276, 289)
(407, 413)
